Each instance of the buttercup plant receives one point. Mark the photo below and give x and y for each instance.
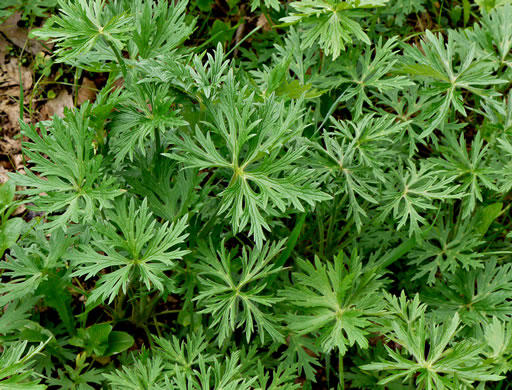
(322, 203)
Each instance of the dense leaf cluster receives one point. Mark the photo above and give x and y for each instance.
(322, 205)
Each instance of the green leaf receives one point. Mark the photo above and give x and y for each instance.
(27, 268)
(221, 31)
(71, 174)
(487, 216)
(7, 191)
(467, 11)
(456, 66)
(498, 336)
(295, 90)
(329, 24)
(472, 170)
(455, 14)
(186, 354)
(94, 339)
(429, 360)
(82, 25)
(476, 295)
(204, 5)
(57, 296)
(365, 71)
(447, 247)
(350, 158)
(132, 248)
(16, 316)
(9, 233)
(159, 27)
(142, 373)
(335, 302)
(146, 112)
(412, 191)
(118, 342)
(253, 147)
(16, 367)
(304, 352)
(268, 3)
(424, 70)
(231, 290)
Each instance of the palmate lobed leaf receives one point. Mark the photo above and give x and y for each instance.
(329, 23)
(498, 336)
(351, 157)
(476, 296)
(447, 248)
(81, 24)
(143, 373)
(410, 107)
(232, 290)
(362, 70)
(438, 367)
(71, 175)
(335, 302)
(304, 352)
(158, 27)
(492, 36)
(413, 191)
(184, 355)
(255, 148)
(267, 3)
(144, 113)
(28, 269)
(454, 67)
(141, 251)
(472, 170)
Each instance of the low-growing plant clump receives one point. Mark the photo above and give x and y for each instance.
(266, 195)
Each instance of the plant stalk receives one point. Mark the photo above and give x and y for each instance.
(341, 373)
(119, 58)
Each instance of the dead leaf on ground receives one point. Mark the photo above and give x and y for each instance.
(118, 84)
(56, 106)
(18, 35)
(3, 175)
(19, 210)
(87, 91)
(17, 160)
(9, 146)
(239, 33)
(263, 22)
(3, 49)
(9, 117)
(10, 76)
(424, 22)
